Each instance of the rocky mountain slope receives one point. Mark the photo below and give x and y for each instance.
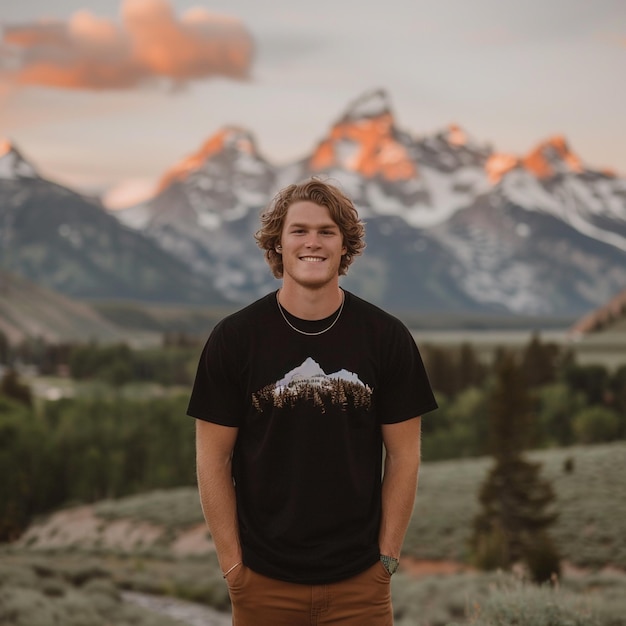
(451, 224)
(67, 242)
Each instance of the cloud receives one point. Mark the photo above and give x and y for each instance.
(150, 43)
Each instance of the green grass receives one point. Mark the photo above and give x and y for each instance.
(174, 508)
(591, 501)
(42, 592)
(589, 532)
(498, 599)
(79, 589)
(155, 317)
(606, 349)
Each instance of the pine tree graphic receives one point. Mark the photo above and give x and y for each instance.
(322, 393)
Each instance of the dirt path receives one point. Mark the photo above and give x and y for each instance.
(190, 613)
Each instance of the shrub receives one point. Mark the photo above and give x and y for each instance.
(12, 387)
(37, 594)
(556, 404)
(491, 550)
(524, 605)
(596, 424)
(591, 380)
(542, 558)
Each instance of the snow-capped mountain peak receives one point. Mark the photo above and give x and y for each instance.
(365, 141)
(307, 370)
(229, 138)
(12, 163)
(310, 373)
(5, 147)
(463, 225)
(369, 105)
(552, 157)
(451, 149)
(456, 135)
(498, 164)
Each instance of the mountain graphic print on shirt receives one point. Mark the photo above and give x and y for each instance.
(310, 383)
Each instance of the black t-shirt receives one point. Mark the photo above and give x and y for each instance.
(308, 458)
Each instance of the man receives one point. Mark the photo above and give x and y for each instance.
(294, 397)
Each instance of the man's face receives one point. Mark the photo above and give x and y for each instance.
(312, 245)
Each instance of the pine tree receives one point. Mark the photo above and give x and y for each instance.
(540, 362)
(12, 387)
(516, 502)
(471, 372)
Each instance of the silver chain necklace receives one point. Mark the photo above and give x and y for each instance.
(319, 332)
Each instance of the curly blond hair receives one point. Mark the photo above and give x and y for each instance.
(341, 209)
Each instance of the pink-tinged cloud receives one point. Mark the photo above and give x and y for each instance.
(151, 42)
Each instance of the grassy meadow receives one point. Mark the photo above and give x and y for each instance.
(104, 505)
(591, 502)
(606, 348)
(589, 483)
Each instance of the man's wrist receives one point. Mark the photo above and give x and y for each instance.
(390, 563)
(230, 569)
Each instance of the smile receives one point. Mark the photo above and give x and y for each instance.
(312, 259)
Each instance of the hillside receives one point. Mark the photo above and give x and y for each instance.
(149, 547)
(64, 240)
(589, 530)
(608, 319)
(30, 311)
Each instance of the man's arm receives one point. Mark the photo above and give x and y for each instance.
(402, 445)
(214, 454)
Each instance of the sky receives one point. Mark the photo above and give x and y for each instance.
(106, 95)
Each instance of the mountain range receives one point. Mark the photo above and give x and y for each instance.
(68, 242)
(452, 225)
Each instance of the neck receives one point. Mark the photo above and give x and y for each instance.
(310, 304)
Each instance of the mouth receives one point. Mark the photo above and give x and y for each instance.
(312, 259)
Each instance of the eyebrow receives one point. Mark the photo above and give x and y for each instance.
(320, 226)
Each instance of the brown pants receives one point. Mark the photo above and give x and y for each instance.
(363, 600)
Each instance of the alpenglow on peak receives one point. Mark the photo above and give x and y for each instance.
(373, 103)
(552, 156)
(228, 138)
(13, 164)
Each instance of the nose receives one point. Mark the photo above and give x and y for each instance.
(312, 241)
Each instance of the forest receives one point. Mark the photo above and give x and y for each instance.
(97, 424)
(122, 428)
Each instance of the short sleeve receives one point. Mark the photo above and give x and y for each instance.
(217, 395)
(404, 390)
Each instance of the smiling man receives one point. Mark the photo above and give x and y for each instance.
(295, 397)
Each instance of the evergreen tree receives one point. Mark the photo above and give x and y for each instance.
(12, 387)
(592, 380)
(442, 370)
(5, 349)
(516, 502)
(471, 372)
(540, 362)
(618, 392)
